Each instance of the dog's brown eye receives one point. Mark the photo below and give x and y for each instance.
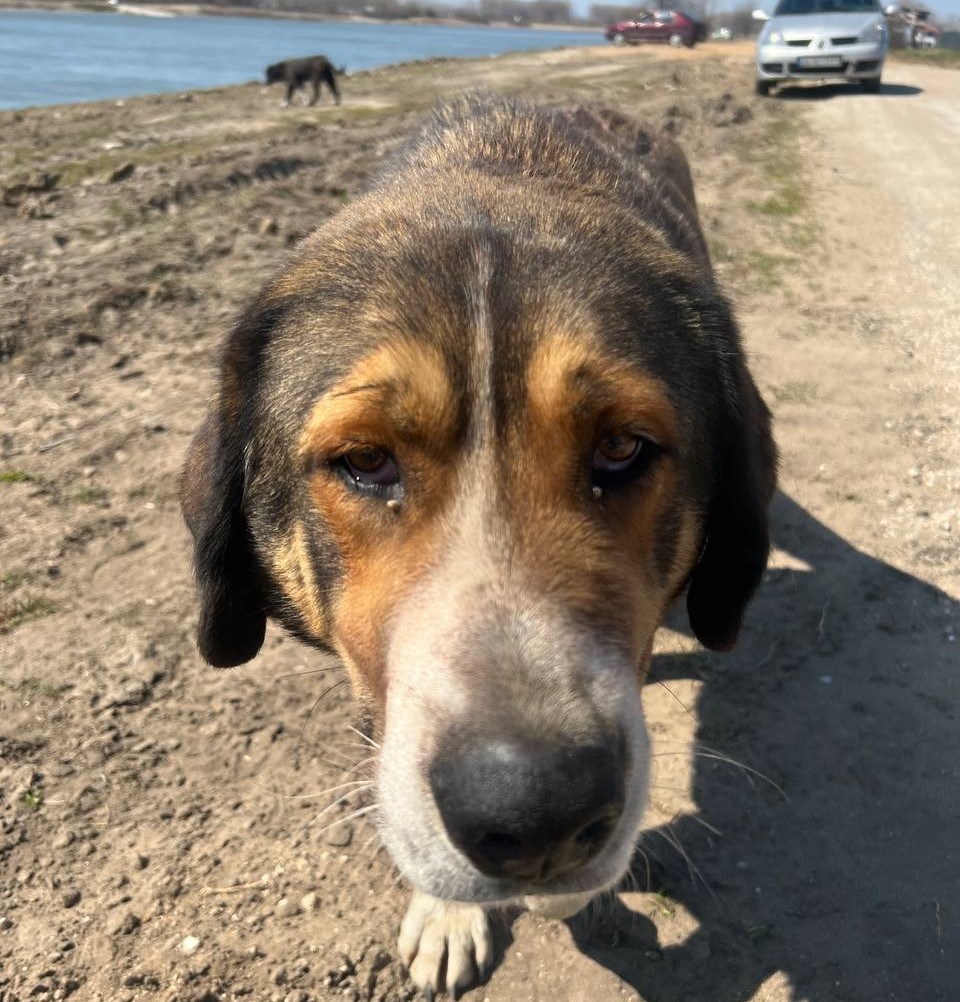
(617, 451)
(371, 466)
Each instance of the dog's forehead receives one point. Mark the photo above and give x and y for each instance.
(481, 297)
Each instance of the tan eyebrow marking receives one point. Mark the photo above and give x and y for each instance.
(570, 382)
(367, 388)
(401, 391)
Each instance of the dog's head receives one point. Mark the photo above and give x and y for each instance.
(275, 73)
(475, 439)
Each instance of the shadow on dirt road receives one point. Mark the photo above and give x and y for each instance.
(845, 697)
(824, 92)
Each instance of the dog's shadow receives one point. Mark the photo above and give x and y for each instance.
(844, 691)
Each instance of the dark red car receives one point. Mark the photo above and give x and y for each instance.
(669, 26)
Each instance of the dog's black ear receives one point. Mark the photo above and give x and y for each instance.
(233, 607)
(737, 539)
(232, 616)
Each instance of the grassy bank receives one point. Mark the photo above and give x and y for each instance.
(949, 58)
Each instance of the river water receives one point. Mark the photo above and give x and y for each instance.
(59, 57)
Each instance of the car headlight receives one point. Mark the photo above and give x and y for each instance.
(775, 37)
(874, 32)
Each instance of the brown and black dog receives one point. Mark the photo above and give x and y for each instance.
(476, 437)
(297, 73)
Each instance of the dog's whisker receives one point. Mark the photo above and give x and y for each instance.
(343, 747)
(326, 692)
(341, 763)
(664, 685)
(339, 800)
(303, 728)
(373, 838)
(674, 840)
(706, 824)
(703, 751)
(309, 671)
(359, 813)
(352, 766)
(669, 789)
(646, 869)
(333, 789)
(362, 763)
(364, 737)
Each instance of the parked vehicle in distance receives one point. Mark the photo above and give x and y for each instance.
(670, 26)
(821, 40)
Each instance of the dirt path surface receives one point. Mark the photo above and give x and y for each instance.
(171, 833)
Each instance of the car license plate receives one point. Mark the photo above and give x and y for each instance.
(821, 62)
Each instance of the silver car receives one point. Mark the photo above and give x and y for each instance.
(822, 40)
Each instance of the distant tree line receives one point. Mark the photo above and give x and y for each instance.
(477, 11)
(518, 12)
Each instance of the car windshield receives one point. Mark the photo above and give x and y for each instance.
(790, 8)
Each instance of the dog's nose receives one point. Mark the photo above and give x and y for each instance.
(526, 810)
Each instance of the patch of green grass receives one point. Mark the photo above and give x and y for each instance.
(33, 798)
(89, 495)
(761, 269)
(720, 253)
(49, 690)
(131, 616)
(16, 477)
(23, 610)
(663, 905)
(784, 172)
(778, 156)
(798, 392)
(782, 208)
(96, 163)
(950, 58)
(129, 215)
(786, 203)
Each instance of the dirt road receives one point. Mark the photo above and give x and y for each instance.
(905, 144)
(168, 832)
(860, 358)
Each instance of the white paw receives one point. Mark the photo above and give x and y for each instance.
(446, 945)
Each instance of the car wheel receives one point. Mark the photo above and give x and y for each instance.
(762, 87)
(871, 85)
(676, 41)
(619, 39)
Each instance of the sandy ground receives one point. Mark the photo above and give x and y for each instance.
(164, 830)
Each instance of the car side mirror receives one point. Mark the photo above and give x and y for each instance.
(760, 15)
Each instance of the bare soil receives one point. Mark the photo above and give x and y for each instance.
(168, 832)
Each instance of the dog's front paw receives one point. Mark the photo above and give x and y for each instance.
(446, 945)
